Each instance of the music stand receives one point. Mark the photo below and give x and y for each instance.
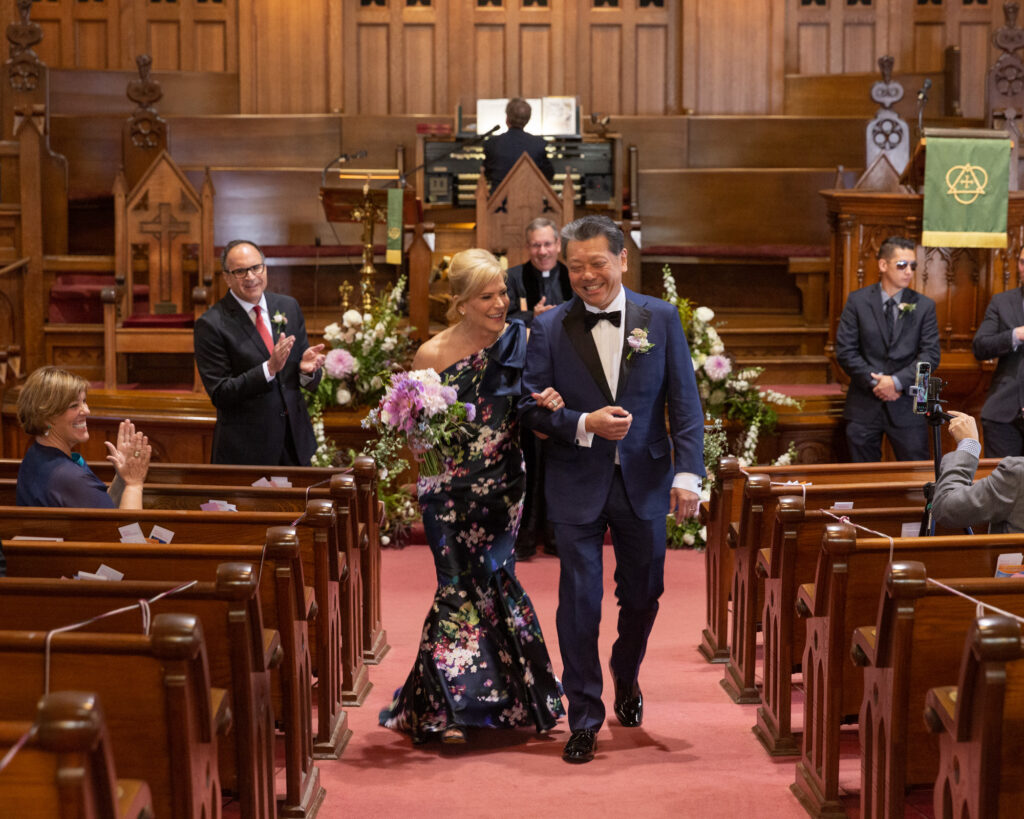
(366, 205)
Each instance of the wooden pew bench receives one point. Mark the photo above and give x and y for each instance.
(67, 767)
(240, 652)
(754, 533)
(725, 506)
(845, 594)
(791, 561)
(162, 714)
(368, 509)
(286, 606)
(323, 561)
(917, 642)
(980, 723)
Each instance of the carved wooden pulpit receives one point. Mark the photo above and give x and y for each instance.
(522, 196)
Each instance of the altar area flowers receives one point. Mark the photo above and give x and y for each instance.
(366, 349)
(726, 395)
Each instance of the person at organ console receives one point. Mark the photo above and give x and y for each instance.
(503, 151)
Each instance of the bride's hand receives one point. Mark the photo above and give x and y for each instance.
(549, 399)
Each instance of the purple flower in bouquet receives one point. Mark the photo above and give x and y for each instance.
(717, 367)
(339, 363)
(471, 412)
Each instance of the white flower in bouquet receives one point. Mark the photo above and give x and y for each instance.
(352, 318)
(376, 382)
(717, 348)
(689, 539)
(704, 314)
(379, 331)
(367, 318)
(703, 533)
(716, 397)
(388, 344)
(342, 396)
(333, 333)
(699, 359)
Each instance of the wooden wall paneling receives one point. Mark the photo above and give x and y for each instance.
(215, 35)
(96, 93)
(421, 38)
(719, 77)
(289, 57)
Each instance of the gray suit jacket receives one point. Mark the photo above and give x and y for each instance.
(861, 349)
(994, 339)
(997, 499)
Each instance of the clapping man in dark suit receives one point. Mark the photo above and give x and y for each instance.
(253, 353)
(503, 151)
(884, 330)
(1001, 335)
(620, 362)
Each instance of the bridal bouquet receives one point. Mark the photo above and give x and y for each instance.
(423, 409)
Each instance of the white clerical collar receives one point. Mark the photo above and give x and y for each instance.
(618, 303)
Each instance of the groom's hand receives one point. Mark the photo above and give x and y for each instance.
(683, 504)
(609, 422)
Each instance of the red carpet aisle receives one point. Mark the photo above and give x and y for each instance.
(695, 755)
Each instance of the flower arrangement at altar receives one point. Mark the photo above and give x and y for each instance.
(725, 394)
(424, 411)
(366, 348)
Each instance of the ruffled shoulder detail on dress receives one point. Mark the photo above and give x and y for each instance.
(506, 358)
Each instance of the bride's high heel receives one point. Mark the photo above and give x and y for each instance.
(454, 735)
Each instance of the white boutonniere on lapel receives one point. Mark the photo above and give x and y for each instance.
(279, 320)
(906, 308)
(638, 343)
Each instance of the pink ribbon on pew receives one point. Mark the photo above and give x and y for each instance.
(143, 605)
(846, 519)
(979, 603)
(17, 746)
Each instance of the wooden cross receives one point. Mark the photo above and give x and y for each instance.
(165, 227)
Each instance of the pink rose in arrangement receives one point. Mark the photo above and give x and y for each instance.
(339, 363)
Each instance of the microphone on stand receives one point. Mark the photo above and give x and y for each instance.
(922, 100)
(340, 159)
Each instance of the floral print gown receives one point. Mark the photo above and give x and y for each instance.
(482, 659)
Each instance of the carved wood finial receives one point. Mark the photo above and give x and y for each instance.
(885, 65)
(1009, 37)
(24, 67)
(145, 90)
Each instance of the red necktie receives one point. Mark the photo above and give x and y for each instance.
(262, 329)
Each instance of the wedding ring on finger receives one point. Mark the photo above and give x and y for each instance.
(136, 453)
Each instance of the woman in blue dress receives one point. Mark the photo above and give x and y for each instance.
(482, 659)
(52, 409)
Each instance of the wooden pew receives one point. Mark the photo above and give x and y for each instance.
(761, 497)
(66, 769)
(980, 723)
(725, 506)
(791, 561)
(287, 605)
(162, 715)
(239, 651)
(373, 637)
(845, 592)
(916, 643)
(320, 556)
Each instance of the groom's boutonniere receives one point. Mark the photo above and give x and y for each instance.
(279, 320)
(638, 343)
(906, 307)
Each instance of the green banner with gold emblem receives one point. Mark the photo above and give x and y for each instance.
(394, 245)
(966, 184)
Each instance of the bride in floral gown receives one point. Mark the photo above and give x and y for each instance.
(482, 659)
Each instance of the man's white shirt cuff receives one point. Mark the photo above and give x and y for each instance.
(687, 481)
(266, 371)
(583, 438)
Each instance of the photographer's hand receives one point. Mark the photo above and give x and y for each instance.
(962, 426)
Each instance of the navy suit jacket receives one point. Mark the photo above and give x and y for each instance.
(561, 353)
(501, 152)
(862, 349)
(252, 413)
(994, 339)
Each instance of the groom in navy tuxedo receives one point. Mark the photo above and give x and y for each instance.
(620, 363)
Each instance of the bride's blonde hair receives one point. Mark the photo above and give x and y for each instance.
(470, 272)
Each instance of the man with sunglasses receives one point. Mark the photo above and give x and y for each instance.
(252, 353)
(1001, 335)
(884, 330)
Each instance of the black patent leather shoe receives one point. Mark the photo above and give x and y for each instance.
(629, 704)
(581, 746)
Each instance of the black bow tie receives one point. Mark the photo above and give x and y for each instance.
(590, 319)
